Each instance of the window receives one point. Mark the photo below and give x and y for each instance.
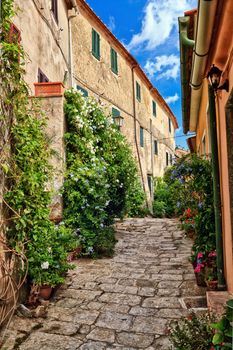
(95, 44)
(204, 146)
(138, 91)
(14, 36)
(115, 112)
(149, 179)
(171, 161)
(114, 64)
(155, 147)
(169, 125)
(85, 92)
(154, 108)
(42, 77)
(167, 159)
(141, 137)
(54, 10)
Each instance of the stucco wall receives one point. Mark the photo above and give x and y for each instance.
(119, 91)
(44, 40)
(56, 127)
(202, 131)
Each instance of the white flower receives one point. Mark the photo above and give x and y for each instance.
(49, 249)
(45, 265)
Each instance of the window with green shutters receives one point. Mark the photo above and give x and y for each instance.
(154, 108)
(95, 44)
(155, 147)
(141, 137)
(167, 159)
(138, 91)
(114, 63)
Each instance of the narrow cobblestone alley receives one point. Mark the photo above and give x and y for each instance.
(126, 302)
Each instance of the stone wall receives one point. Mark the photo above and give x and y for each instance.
(45, 41)
(119, 91)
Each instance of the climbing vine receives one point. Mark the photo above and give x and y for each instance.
(25, 168)
(101, 181)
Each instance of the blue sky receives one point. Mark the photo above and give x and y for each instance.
(149, 30)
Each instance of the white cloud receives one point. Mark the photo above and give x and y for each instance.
(172, 99)
(111, 23)
(164, 67)
(160, 18)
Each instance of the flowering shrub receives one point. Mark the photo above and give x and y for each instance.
(101, 180)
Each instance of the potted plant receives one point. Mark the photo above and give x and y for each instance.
(211, 271)
(199, 270)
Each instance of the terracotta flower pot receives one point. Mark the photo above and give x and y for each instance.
(45, 291)
(212, 285)
(49, 89)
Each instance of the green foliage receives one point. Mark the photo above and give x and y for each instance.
(24, 162)
(223, 337)
(163, 205)
(101, 180)
(192, 333)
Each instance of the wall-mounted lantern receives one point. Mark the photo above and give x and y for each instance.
(214, 76)
(117, 118)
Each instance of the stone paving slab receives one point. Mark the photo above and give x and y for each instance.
(126, 302)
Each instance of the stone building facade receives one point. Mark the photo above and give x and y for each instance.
(67, 43)
(105, 69)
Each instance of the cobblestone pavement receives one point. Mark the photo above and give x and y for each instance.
(126, 302)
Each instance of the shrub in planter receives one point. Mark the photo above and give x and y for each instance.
(192, 333)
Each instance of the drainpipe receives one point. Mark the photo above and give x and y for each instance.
(135, 136)
(216, 189)
(71, 69)
(205, 23)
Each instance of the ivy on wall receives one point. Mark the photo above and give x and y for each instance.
(101, 181)
(25, 168)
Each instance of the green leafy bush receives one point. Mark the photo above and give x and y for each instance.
(223, 337)
(192, 333)
(101, 182)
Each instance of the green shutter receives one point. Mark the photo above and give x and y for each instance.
(85, 92)
(138, 91)
(141, 137)
(169, 124)
(115, 112)
(154, 108)
(95, 44)
(114, 64)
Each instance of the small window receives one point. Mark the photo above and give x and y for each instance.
(115, 112)
(169, 125)
(154, 108)
(85, 92)
(14, 36)
(54, 10)
(95, 44)
(167, 159)
(141, 137)
(171, 160)
(155, 147)
(149, 179)
(114, 63)
(138, 91)
(204, 146)
(42, 78)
